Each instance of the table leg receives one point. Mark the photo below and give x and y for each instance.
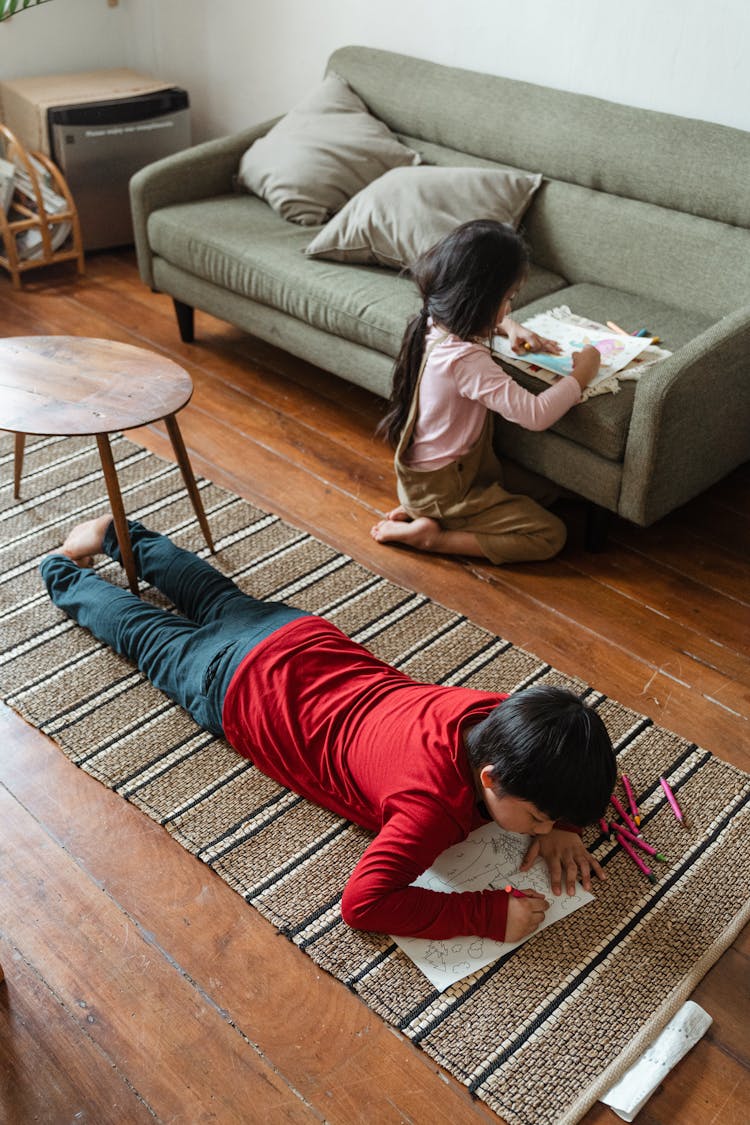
(187, 475)
(118, 511)
(18, 464)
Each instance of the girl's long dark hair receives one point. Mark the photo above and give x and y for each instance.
(463, 280)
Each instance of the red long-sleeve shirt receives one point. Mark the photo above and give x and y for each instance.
(323, 716)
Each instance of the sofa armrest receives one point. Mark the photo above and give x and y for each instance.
(691, 421)
(195, 173)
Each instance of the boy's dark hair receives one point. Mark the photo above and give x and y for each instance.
(546, 746)
(462, 280)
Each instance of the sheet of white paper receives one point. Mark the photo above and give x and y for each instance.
(488, 857)
(628, 1096)
(616, 350)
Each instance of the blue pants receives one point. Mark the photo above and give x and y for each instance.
(191, 656)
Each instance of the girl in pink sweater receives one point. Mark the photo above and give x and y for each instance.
(455, 496)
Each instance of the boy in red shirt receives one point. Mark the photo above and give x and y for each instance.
(418, 764)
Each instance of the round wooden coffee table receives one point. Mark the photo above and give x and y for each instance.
(71, 385)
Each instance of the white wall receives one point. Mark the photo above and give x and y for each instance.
(64, 37)
(245, 60)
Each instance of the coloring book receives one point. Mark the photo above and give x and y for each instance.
(623, 357)
(488, 857)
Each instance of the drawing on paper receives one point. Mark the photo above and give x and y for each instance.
(488, 858)
(617, 351)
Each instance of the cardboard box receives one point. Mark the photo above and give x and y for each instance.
(24, 101)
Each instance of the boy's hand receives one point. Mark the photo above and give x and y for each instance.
(525, 915)
(586, 365)
(524, 340)
(565, 856)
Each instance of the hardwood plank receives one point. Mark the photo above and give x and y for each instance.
(686, 553)
(691, 605)
(713, 521)
(687, 659)
(725, 993)
(59, 919)
(50, 1069)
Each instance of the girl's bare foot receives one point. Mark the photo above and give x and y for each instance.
(426, 534)
(421, 533)
(84, 542)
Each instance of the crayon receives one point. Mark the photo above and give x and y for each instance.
(647, 848)
(514, 892)
(626, 847)
(618, 808)
(642, 332)
(673, 802)
(527, 347)
(616, 328)
(631, 800)
(606, 828)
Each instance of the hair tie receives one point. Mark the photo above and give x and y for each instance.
(425, 311)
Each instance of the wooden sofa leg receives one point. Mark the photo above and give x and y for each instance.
(597, 528)
(185, 320)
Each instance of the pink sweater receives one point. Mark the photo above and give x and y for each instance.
(460, 383)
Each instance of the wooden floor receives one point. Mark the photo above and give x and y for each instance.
(139, 987)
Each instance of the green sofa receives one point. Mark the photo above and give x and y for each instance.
(643, 218)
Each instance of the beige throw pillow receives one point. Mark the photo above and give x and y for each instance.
(405, 212)
(317, 157)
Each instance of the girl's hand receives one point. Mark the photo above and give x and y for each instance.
(525, 915)
(565, 856)
(586, 365)
(524, 340)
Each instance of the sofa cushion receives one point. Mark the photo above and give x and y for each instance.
(237, 242)
(320, 154)
(402, 214)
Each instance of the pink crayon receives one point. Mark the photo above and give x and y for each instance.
(618, 808)
(626, 847)
(637, 843)
(673, 802)
(631, 801)
(606, 830)
(514, 892)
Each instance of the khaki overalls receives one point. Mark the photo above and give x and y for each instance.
(472, 494)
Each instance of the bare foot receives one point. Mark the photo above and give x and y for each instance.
(421, 533)
(426, 534)
(84, 542)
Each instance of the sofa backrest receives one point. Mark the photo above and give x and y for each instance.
(679, 225)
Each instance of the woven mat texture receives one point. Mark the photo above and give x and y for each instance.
(538, 1035)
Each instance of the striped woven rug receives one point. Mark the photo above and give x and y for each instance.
(539, 1034)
